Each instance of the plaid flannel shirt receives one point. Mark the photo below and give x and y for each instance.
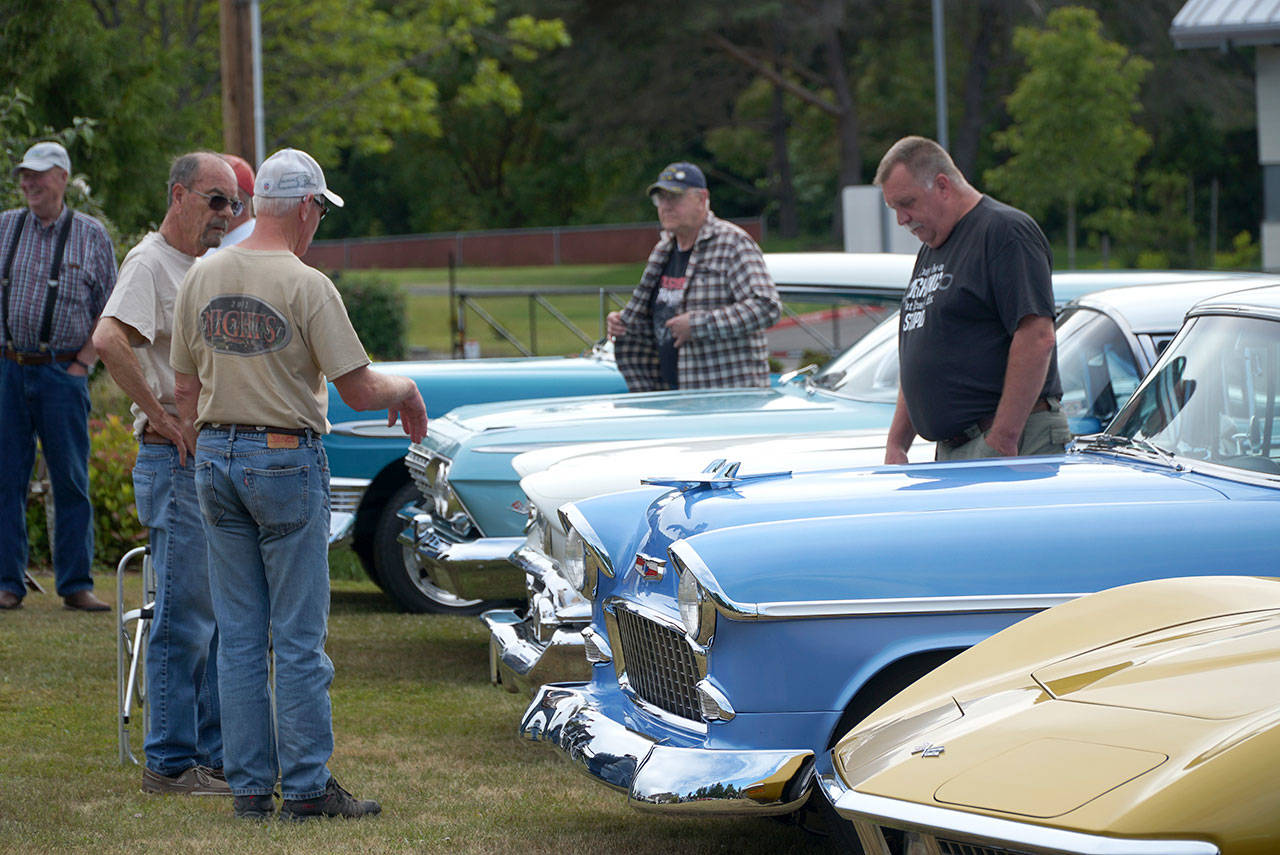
(731, 300)
(87, 277)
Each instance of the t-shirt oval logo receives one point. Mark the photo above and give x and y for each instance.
(243, 325)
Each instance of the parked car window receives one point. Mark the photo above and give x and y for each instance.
(1098, 369)
(1214, 396)
(868, 371)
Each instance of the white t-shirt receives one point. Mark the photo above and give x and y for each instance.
(144, 296)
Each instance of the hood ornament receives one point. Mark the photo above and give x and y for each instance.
(928, 749)
(718, 474)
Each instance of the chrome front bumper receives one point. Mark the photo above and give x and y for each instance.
(520, 662)
(869, 813)
(664, 778)
(471, 569)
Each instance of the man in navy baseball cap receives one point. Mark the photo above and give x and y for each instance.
(677, 178)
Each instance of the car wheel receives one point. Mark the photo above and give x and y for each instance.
(397, 573)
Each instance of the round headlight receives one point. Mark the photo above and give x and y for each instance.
(575, 560)
(689, 598)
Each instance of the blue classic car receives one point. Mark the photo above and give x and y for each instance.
(473, 512)
(1107, 341)
(741, 624)
(369, 482)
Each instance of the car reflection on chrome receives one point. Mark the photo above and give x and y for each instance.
(795, 604)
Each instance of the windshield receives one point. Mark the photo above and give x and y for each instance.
(1212, 397)
(1097, 366)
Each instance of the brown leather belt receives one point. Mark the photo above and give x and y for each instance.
(154, 437)
(37, 358)
(259, 429)
(984, 424)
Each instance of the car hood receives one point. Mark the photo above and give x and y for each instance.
(963, 529)
(554, 476)
(1154, 731)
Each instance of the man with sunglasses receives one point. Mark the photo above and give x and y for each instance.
(241, 225)
(57, 268)
(256, 335)
(184, 734)
(698, 316)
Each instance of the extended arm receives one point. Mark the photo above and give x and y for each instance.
(186, 392)
(1029, 356)
(367, 389)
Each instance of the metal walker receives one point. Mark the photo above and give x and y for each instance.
(131, 655)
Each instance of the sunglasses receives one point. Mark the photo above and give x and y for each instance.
(320, 203)
(219, 203)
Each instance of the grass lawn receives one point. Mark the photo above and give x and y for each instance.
(417, 727)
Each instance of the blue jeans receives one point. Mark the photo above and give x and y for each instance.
(182, 674)
(266, 517)
(45, 401)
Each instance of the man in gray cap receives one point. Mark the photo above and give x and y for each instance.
(256, 334)
(57, 268)
(697, 319)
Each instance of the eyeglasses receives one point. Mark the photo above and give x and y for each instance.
(219, 203)
(666, 197)
(320, 203)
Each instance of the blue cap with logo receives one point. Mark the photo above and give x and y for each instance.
(678, 177)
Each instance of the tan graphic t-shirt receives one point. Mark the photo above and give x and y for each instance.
(262, 332)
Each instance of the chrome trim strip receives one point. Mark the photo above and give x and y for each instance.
(979, 828)
(871, 607)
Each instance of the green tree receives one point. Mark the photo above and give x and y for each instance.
(1073, 140)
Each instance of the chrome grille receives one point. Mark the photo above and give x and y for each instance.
(345, 499)
(952, 847)
(659, 664)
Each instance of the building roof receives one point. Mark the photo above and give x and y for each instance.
(1220, 23)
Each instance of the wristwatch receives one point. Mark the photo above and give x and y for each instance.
(88, 369)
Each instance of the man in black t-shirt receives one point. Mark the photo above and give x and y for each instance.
(979, 372)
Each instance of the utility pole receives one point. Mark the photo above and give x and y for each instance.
(236, 31)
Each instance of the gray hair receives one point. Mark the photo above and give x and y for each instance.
(184, 169)
(922, 157)
(275, 206)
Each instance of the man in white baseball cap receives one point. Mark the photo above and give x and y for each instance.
(256, 335)
(42, 157)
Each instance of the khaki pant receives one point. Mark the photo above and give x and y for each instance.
(1045, 432)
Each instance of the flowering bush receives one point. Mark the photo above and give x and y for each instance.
(112, 451)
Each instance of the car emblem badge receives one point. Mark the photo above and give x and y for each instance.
(650, 568)
(928, 749)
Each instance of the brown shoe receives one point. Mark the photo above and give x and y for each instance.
(85, 601)
(10, 600)
(196, 781)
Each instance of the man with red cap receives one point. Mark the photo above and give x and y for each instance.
(242, 223)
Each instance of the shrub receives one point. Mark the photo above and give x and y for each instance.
(377, 311)
(116, 530)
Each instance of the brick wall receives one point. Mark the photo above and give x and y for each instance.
(499, 248)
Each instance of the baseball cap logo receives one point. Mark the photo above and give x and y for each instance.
(295, 181)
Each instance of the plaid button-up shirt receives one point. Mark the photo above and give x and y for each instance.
(87, 277)
(731, 300)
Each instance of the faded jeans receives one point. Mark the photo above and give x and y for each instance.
(266, 517)
(182, 690)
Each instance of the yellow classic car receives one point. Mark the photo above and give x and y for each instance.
(1142, 720)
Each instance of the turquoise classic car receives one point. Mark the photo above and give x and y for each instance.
(369, 482)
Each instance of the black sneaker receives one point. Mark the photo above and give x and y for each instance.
(334, 802)
(254, 807)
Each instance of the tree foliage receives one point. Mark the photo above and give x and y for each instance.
(1073, 139)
